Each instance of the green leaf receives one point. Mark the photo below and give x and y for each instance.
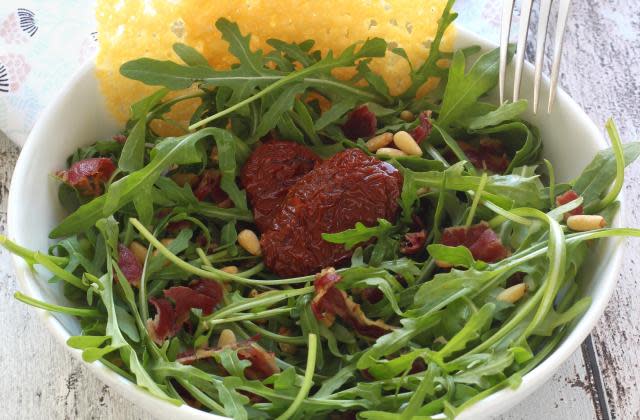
(359, 234)
(85, 341)
(282, 104)
(430, 67)
(457, 256)
(189, 55)
(598, 176)
(143, 202)
(171, 75)
(132, 156)
(169, 152)
(232, 400)
(464, 90)
(397, 339)
(476, 325)
(506, 112)
(521, 141)
(225, 142)
(334, 113)
(231, 363)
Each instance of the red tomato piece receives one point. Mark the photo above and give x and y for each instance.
(208, 187)
(422, 131)
(487, 154)
(348, 188)
(272, 169)
(129, 265)
(568, 197)
(413, 242)
(481, 240)
(89, 175)
(361, 123)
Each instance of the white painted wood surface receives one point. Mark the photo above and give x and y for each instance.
(601, 71)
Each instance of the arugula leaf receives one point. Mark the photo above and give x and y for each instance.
(397, 339)
(189, 55)
(169, 152)
(430, 67)
(132, 156)
(519, 139)
(505, 112)
(463, 90)
(598, 176)
(359, 234)
(226, 144)
(457, 256)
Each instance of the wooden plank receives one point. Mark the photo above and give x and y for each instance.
(567, 395)
(601, 71)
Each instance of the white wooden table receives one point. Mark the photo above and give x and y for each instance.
(601, 71)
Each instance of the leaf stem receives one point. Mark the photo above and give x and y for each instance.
(616, 144)
(308, 379)
(27, 254)
(80, 312)
(210, 273)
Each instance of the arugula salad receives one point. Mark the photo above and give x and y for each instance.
(315, 247)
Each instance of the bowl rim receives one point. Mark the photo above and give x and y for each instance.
(493, 404)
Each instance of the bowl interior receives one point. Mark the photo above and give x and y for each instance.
(78, 117)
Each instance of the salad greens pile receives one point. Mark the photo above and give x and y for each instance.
(453, 341)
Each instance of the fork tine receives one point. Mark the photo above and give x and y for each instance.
(522, 42)
(563, 14)
(541, 39)
(507, 11)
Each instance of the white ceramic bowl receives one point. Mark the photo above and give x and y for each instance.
(77, 117)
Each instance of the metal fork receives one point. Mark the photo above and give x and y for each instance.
(545, 8)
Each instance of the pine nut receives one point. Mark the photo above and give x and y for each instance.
(407, 116)
(513, 293)
(166, 242)
(390, 152)
(214, 154)
(423, 190)
(440, 340)
(227, 339)
(139, 251)
(286, 347)
(231, 269)
(253, 293)
(185, 178)
(381, 140)
(443, 264)
(249, 241)
(585, 222)
(407, 144)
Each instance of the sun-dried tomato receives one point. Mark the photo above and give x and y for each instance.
(350, 187)
(272, 169)
(208, 187)
(487, 154)
(423, 130)
(129, 265)
(482, 241)
(413, 242)
(568, 197)
(361, 123)
(89, 175)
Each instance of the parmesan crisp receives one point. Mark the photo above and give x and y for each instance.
(130, 29)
